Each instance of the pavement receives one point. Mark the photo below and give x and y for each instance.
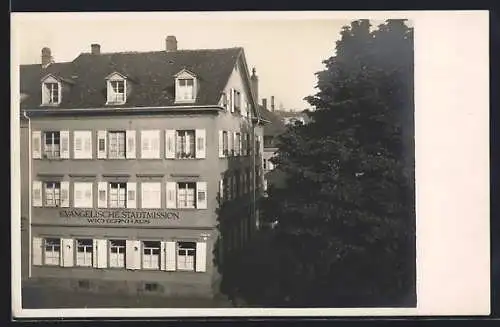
(42, 297)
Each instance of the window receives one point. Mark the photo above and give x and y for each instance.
(185, 144)
(151, 255)
(52, 250)
(116, 145)
(185, 89)
(84, 252)
(225, 143)
(186, 252)
(52, 194)
(51, 147)
(117, 195)
(117, 253)
(186, 195)
(117, 91)
(237, 100)
(52, 93)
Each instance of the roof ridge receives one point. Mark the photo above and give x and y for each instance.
(163, 51)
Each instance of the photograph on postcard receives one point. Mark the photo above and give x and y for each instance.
(217, 164)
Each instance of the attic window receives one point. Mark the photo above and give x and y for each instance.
(51, 92)
(185, 87)
(116, 90)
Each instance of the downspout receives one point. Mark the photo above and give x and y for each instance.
(29, 194)
(254, 177)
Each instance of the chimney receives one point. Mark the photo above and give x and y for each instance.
(264, 103)
(171, 43)
(95, 49)
(272, 103)
(46, 57)
(255, 86)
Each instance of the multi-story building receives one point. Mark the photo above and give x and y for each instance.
(131, 167)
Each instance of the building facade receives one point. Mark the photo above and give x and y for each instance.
(128, 161)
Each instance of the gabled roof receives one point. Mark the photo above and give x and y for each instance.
(275, 125)
(153, 73)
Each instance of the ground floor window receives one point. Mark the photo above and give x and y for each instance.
(117, 253)
(52, 251)
(186, 252)
(84, 252)
(151, 255)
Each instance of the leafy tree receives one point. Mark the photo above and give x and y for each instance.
(346, 232)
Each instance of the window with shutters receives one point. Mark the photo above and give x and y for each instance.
(84, 249)
(52, 93)
(185, 147)
(151, 255)
(51, 145)
(225, 143)
(186, 195)
(186, 254)
(117, 253)
(52, 251)
(52, 192)
(117, 149)
(117, 195)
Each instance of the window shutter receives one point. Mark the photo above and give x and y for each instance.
(231, 99)
(201, 256)
(201, 195)
(155, 144)
(102, 194)
(87, 145)
(235, 144)
(240, 151)
(88, 195)
(131, 195)
(36, 143)
(133, 254)
(170, 144)
(229, 143)
(171, 195)
(65, 194)
(163, 256)
(130, 146)
(64, 138)
(170, 255)
(94, 253)
(221, 190)
(110, 93)
(101, 145)
(221, 144)
(67, 252)
(243, 109)
(37, 244)
(201, 143)
(37, 194)
(102, 254)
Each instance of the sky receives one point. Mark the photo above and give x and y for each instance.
(286, 53)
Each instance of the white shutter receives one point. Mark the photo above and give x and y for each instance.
(201, 256)
(101, 140)
(201, 195)
(102, 188)
(64, 140)
(163, 256)
(36, 144)
(221, 144)
(243, 103)
(131, 195)
(235, 144)
(155, 143)
(88, 196)
(133, 254)
(37, 194)
(230, 143)
(67, 245)
(94, 253)
(231, 99)
(37, 244)
(102, 253)
(65, 194)
(170, 255)
(170, 144)
(130, 146)
(240, 151)
(201, 143)
(221, 190)
(87, 145)
(171, 195)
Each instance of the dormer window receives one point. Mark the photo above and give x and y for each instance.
(185, 87)
(117, 89)
(51, 91)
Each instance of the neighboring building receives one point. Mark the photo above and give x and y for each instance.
(128, 158)
(290, 117)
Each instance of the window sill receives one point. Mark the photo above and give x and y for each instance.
(179, 101)
(116, 103)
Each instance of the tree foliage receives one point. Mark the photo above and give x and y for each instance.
(346, 233)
